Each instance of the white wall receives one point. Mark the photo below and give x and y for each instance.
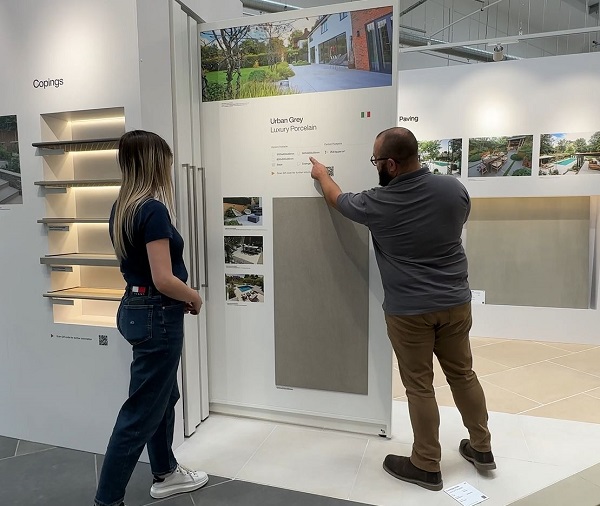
(515, 98)
(67, 392)
(60, 391)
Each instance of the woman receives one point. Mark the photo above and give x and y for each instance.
(150, 317)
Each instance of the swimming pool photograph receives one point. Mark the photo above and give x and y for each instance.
(569, 154)
(244, 288)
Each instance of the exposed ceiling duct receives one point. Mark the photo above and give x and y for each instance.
(469, 53)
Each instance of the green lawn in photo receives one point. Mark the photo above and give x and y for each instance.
(253, 81)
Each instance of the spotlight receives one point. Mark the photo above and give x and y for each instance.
(498, 54)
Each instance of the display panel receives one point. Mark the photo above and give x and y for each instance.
(279, 89)
(10, 167)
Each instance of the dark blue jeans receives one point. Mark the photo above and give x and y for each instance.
(153, 325)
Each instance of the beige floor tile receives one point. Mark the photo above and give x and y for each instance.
(545, 382)
(585, 361)
(397, 386)
(571, 346)
(476, 342)
(591, 474)
(517, 353)
(483, 366)
(322, 463)
(594, 393)
(572, 491)
(580, 408)
(498, 399)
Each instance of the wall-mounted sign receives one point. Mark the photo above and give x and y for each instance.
(48, 83)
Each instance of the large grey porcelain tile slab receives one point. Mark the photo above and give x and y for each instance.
(8, 446)
(51, 478)
(138, 488)
(27, 447)
(241, 493)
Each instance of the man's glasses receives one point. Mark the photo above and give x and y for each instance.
(375, 160)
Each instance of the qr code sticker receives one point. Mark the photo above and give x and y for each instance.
(330, 170)
(103, 340)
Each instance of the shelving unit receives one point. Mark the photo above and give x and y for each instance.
(81, 259)
(86, 294)
(81, 178)
(84, 145)
(78, 183)
(59, 221)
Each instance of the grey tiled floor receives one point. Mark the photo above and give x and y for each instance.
(33, 474)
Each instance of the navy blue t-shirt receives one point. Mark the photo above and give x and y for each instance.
(150, 223)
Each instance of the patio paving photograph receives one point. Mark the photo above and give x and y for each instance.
(569, 154)
(339, 51)
(500, 156)
(242, 288)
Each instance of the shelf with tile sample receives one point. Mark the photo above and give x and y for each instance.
(81, 180)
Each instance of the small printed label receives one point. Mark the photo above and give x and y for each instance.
(466, 494)
(72, 338)
(477, 296)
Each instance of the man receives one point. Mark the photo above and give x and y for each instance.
(416, 220)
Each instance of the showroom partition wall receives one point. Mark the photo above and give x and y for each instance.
(79, 74)
(295, 325)
(526, 146)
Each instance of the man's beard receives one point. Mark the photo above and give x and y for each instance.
(384, 177)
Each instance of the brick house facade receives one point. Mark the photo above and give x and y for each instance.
(359, 36)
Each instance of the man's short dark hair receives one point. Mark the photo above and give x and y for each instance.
(398, 143)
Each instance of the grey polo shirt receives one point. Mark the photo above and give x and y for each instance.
(416, 223)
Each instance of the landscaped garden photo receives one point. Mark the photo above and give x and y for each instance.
(500, 156)
(304, 55)
(569, 154)
(242, 211)
(441, 156)
(244, 288)
(243, 249)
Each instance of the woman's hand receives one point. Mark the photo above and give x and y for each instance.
(193, 307)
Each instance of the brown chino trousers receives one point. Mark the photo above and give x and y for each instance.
(415, 340)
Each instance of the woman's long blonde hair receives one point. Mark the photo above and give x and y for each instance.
(145, 160)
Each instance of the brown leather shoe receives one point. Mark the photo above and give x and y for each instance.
(483, 461)
(403, 469)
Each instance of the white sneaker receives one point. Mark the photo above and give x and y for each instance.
(179, 481)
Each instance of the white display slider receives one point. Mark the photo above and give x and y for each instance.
(78, 182)
(86, 293)
(50, 221)
(81, 259)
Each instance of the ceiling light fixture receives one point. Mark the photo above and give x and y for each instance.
(498, 54)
